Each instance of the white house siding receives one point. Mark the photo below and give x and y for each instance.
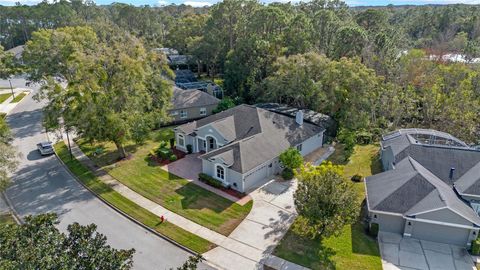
(441, 233)
(231, 177)
(208, 130)
(312, 144)
(388, 223)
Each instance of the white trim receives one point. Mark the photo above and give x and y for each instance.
(466, 194)
(441, 223)
(204, 110)
(178, 139)
(428, 211)
(224, 173)
(386, 213)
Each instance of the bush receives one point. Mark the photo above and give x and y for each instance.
(287, 174)
(357, 178)
(207, 179)
(172, 143)
(164, 153)
(189, 148)
(153, 152)
(163, 144)
(476, 247)
(172, 157)
(373, 231)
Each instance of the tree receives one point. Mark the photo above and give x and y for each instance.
(224, 104)
(6, 64)
(291, 158)
(115, 90)
(191, 263)
(8, 161)
(324, 200)
(38, 244)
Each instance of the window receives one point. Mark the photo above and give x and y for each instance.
(173, 113)
(299, 147)
(183, 114)
(203, 111)
(220, 172)
(181, 140)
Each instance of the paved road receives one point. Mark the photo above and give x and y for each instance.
(41, 184)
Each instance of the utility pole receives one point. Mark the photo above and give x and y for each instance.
(11, 88)
(69, 146)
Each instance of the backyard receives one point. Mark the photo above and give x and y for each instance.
(174, 193)
(353, 248)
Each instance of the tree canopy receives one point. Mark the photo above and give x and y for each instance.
(324, 200)
(107, 87)
(38, 244)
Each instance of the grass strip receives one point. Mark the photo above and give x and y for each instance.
(142, 215)
(4, 97)
(18, 97)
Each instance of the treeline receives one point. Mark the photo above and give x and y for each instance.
(354, 64)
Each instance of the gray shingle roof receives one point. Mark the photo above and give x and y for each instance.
(410, 189)
(257, 135)
(191, 98)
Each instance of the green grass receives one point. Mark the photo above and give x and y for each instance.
(7, 219)
(4, 97)
(18, 97)
(178, 234)
(172, 192)
(353, 248)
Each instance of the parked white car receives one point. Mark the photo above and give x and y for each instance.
(45, 148)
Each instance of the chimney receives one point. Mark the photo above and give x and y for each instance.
(452, 170)
(299, 117)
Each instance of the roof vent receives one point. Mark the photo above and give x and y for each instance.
(299, 117)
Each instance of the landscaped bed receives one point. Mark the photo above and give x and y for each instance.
(174, 193)
(142, 215)
(353, 249)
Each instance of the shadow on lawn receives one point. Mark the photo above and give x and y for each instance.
(362, 243)
(195, 197)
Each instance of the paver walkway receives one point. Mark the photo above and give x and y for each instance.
(250, 245)
(410, 253)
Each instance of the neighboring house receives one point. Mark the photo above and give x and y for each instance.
(17, 51)
(430, 189)
(242, 144)
(188, 105)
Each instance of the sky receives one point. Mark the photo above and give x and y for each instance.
(199, 3)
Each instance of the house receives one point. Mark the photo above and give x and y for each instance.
(241, 145)
(188, 105)
(430, 188)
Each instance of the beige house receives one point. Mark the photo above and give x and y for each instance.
(190, 105)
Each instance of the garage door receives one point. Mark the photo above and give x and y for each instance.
(440, 233)
(256, 177)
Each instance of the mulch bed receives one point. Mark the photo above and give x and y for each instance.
(163, 162)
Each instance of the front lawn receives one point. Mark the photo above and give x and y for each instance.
(176, 194)
(144, 216)
(4, 97)
(7, 219)
(353, 249)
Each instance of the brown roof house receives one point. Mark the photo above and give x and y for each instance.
(241, 145)
(188, 105)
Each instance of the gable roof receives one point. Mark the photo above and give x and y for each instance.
(256, 135)
(183, 99)
(410, 189)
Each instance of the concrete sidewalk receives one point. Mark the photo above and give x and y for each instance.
(250, 245)
(7, 106)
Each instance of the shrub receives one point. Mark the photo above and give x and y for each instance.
(189, 148)
(207, 179)
(163, 144)
(172, 157)
(373, 231)
(476, 247)
(152, 153)
(291, 158)
(287, 174)
(172, 143)
(164, 153)
(357, 178)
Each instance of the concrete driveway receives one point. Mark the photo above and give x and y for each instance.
(409, 253)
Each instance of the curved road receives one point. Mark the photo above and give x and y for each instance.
(41, 184)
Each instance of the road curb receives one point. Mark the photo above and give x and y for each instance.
(14, 213)
(170, 240)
